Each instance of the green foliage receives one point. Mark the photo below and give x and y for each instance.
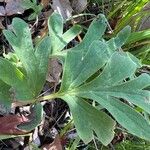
(106, 89)
(129, 12)
(23, 73)
(134, 143)
(32, 4)
(55, 25)
(95, 69)
(27, 81)
(138, 36)
(138, 44)
(133, 8)
(5, 96)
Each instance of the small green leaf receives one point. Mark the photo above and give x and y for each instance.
(119, 40)
(55, 26)
(2, 137)
(10, 74)
(32, 4)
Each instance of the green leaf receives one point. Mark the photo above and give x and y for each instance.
(79, 68)
(35, 117)
(107, 88)
(29, 79)
(20, 40)
(42, 55)
(88, 119)
(95, 32)
(132, 10)
(119, 40)
(133, 121)
(138, 36)
(16, 79)
(10, 74)
(5, 99)
(109, 85)
(32, 4)
(55, 25)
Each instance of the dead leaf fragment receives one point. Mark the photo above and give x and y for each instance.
(1, 25)
(55, 145)
(2, 11)
(13, 7)
(63, 7)
(45, 3)
(8, 124)
(79, 5)
(54, 71)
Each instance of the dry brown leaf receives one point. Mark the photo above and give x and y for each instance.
(1, 25)
(45, 3)
(12, 7)
(54, 71)
(55, 145)
(8, 124)
(63, 7)
(79, 5)
(2, 11)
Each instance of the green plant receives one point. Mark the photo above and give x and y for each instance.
(129, 12)
(32, 4)
(95, 69)
(139, 44)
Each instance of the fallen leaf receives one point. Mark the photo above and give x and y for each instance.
(2, 11)
(63, 7)
(8, 124)
(45, 3)
(79, 5)
(55, 145)
(54, 71)
(13, 7)
(1, 25)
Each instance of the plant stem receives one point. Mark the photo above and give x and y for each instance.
(47, 97)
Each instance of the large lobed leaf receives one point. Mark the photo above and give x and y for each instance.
(106, 79)
(107, 88)
(34, 62)
(113, 83)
